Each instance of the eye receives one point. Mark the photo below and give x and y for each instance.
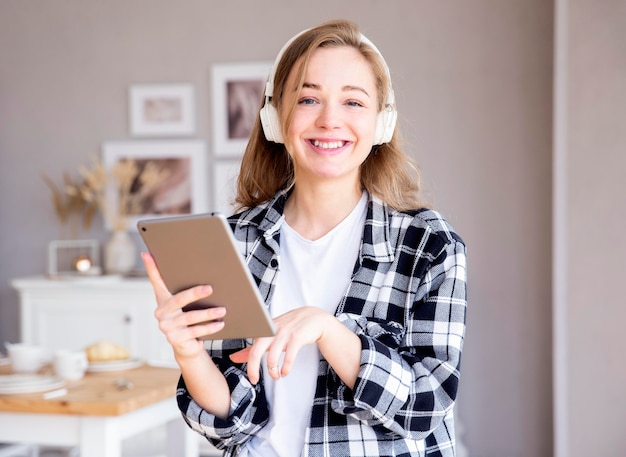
(306, 101)
(354, 103)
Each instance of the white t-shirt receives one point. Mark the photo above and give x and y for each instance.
(312, 273)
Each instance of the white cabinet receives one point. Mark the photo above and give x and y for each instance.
(76, 312)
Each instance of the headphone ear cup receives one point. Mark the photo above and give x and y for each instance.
(271, 123)
(385, 126)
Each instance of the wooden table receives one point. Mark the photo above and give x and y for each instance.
(96, 415)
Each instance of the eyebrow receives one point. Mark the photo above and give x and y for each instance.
(346, 88)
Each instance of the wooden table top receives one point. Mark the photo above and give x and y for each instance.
(98, 394)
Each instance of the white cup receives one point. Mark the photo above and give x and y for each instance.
(70, 365)
(26, 358)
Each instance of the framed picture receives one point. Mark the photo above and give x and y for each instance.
(225, 173)
(154, 178)
(237, 91)
(73, 257)
(162, 110)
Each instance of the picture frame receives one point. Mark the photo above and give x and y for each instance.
(162, 109)
(182, 189)
(225, 173)
(73, 258)
(237, 93)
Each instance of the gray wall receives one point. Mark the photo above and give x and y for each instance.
(473, 81)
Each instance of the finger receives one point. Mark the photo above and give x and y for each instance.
(274, 371)
(274, 355)
(289, 359)
(202, 316)
(200, 331)
(257, 350)
(192, 295)
(172, 306)
(193, 325)
(154, 276)
(241, 356)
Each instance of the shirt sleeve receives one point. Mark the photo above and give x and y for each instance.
(248, 412)
(409, 376)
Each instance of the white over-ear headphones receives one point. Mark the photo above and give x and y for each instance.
(385, 123)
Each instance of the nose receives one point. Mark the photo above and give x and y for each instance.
(329, 116)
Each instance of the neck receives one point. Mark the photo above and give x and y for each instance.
(313, 212)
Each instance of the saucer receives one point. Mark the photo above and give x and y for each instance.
(12, 384)
(114, 365)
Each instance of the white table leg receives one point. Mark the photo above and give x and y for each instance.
(178, 434)
(100, 437)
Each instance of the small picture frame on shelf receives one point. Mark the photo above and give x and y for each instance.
(162, 109)
(74, 258)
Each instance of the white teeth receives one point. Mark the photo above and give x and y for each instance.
(328, 144)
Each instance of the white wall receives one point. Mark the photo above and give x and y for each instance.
(591, 307)
(473, 82)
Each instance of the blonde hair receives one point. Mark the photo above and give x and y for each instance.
(266, 167)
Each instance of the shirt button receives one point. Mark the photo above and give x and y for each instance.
(273, 263)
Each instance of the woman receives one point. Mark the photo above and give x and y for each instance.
(365, 285)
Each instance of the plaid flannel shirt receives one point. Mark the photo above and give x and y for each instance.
(407, 303)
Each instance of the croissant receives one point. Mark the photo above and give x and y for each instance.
(106, 351)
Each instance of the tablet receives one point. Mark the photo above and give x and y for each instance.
(200, 249)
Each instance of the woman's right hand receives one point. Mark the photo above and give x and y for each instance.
(183, 330)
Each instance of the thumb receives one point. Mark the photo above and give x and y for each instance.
(241, 356)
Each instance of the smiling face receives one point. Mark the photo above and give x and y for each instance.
(332, 127)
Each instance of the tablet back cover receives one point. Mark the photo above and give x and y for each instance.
(200, 249)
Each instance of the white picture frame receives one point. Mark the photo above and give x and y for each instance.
(237, 92)
(162, 110)
(225, 173)
(64, 257)
(183, 190)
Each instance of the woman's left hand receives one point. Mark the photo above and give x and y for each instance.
(293, 330)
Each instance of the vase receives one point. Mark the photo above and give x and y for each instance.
(120, 253)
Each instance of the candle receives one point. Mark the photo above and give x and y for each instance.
(82, 263)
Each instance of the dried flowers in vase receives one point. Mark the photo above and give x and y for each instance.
(132, 182)
(68, 207)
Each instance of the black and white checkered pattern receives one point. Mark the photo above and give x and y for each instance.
(406, 302)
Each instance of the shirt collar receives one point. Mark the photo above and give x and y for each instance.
(376, 235)
(376, 244)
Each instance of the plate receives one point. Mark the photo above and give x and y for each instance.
(114, 365)
(28, 383)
